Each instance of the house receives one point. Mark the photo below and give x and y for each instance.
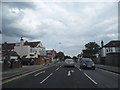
(51, 54)
(31, 52)
(7, 48)
(10, 59)
(29, 49)
(110, 53)
(111, 47)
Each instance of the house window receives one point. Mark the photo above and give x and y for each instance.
(111, 50)
(107, 50)
(32, 50)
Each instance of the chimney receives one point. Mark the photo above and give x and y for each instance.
(102, 43)
(21, 41)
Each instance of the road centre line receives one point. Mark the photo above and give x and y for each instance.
(90, 78)
(46, 78)
(39, 73)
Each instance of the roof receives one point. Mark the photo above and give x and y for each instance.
(115, 43)
(13, 53)
(8, 46)
(50, 51)
(32, 44)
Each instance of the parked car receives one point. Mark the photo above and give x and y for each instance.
(27, 61)
(87, 63)
(69, 62)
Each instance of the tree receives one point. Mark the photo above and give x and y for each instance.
(75, 58)
(92, 48)
(60, 55)
(67, 57)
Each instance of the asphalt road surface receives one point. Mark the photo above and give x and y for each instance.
(57, 76)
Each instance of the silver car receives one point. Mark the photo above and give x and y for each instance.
(69, 62)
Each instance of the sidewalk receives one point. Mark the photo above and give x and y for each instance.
(19, 71)
(109, 68)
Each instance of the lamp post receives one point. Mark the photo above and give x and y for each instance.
(56, 45)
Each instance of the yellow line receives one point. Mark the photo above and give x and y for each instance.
(108, 71)
(17, 77)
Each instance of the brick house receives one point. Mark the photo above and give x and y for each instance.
(51, 54)
(10, 58)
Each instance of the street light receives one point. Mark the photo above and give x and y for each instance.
(56, 46)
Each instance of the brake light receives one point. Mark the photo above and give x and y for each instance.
(72, 62)
(64, 62)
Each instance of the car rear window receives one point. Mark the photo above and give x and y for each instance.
(68, 60)
(87, 60)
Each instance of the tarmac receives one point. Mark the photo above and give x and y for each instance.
(25, 69)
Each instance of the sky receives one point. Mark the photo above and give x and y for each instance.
(63, 26)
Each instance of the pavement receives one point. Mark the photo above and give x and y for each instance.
(109, 68)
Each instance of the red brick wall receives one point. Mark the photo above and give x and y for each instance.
(42, 60)
(39, 61)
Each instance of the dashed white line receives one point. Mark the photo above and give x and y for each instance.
(46, 78)
(39, 73)
(61, 66)
(56, 69)
(79, 68)
(91, 79)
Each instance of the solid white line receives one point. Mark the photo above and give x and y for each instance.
(46, 78)
(90, 78)
(39, 73)
(56, 69)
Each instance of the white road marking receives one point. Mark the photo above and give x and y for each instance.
(61, 66)
(39, 73)
(69, 73)
(79, 68)
(56, 69)
(91, 79)
(46, 78)
(72, 70)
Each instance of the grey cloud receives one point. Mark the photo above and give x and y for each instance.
(20, 5)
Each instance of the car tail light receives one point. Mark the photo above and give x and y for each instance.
(72, 62)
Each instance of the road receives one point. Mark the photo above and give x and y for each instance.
(57, 76)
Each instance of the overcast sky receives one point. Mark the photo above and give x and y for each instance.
(65, 26)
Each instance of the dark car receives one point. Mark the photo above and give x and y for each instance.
(27, 61)
(69, 62)
(87, 63)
